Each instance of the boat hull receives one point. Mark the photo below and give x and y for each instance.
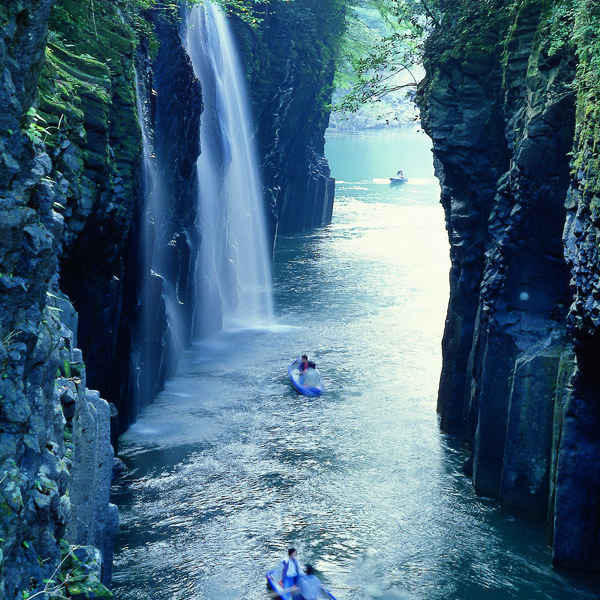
(278, 590)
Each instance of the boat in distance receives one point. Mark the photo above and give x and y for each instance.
(400, 177)
(310, 383)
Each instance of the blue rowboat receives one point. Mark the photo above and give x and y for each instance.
(274, 584)
(310, 383)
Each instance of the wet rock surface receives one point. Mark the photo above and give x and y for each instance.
(44, 433)
(516, 388)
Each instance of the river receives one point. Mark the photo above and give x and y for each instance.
(229, 466)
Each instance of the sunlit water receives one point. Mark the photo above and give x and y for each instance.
(229, 466)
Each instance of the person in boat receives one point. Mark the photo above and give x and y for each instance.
(308, 375)
(309, 586)
(303, 364)
(400, 175)
(290, 570)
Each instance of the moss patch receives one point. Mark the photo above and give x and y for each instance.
(586, 159)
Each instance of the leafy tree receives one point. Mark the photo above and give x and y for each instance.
(373, 68)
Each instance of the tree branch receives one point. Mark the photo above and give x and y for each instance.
(429, 13)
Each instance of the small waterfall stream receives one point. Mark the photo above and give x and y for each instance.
(160, 338)
(235, 277)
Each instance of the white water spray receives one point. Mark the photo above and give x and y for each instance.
(235, 260)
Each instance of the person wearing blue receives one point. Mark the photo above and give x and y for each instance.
(291, 570)
(309, 586)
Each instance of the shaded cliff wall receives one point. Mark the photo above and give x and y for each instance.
(87, 101)
(290, 62)
(166, 250)
(499, 103)
(577, 519)
(55, 453)
(119, 258)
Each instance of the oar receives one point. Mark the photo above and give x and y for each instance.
(275, 594)
(344, 587)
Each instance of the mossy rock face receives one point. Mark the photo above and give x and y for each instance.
(88, 102)
(87, 97)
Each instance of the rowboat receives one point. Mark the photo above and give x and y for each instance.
(278, 591)
(310, 383)
(400, 177)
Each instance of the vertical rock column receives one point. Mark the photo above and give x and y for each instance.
(576, 540)
(498, 103)
(524, 290)
(174, 100)
(461, 109)
(29, 419)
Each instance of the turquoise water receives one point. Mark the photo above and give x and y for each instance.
(229, 466)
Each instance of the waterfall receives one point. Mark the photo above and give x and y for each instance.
(160, 334)
(235, 277)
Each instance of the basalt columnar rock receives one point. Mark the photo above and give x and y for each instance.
(54, 432)
(509, 98)
(291, 60)
(166, 248)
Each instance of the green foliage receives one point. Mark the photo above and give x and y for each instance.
(586, 158)
(70, 578)
(560, 21)
(303, 33)
(34, 127)
(248, 11)
(375, 55)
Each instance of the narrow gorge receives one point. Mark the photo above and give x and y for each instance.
(113, 263)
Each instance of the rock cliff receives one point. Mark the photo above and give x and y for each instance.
(291, 60)
(55, 452)
(507, 101)
(164, 253)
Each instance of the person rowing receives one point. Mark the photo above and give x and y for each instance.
(290, 570)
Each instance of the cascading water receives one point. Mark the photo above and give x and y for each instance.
(235, 277)
(160, 336)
